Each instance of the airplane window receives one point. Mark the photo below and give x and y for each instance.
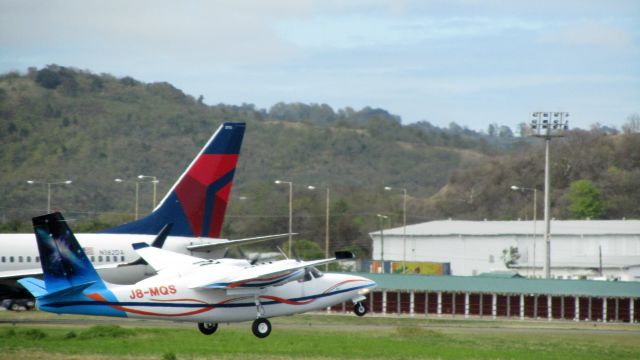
(37, 258)
(19, 258)
(122, 258)
(11, 259)
(100, 258)
(107, 258)
(28, 258)
(93, 258)
(4, 259)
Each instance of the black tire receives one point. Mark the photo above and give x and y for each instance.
(207, 328)
(261, 328)
(360, 308)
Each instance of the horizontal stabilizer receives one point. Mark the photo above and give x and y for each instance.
(35, 286)
(70, 291)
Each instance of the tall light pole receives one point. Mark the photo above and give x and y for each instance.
(118, 180)
(290, 211)
(548, 125)
(404, 227)
(155, 182)
(535, 212)
(381, 218)
(326, 226)
(49, 183)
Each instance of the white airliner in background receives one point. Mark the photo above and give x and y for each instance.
(190, 215)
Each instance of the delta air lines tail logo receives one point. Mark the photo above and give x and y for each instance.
(204, 192)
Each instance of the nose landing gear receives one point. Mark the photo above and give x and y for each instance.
(360, 308)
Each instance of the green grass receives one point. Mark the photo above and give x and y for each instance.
(319, 337)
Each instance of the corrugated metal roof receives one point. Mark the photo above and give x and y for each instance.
(490, 285)
(483, 228)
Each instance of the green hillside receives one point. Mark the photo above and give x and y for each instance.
(59, 123)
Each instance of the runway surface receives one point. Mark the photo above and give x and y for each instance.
(329, 322)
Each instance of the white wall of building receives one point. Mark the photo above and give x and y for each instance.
(476, 247)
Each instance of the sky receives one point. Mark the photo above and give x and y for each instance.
(466, 61)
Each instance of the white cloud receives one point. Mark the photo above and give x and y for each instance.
(596, 33)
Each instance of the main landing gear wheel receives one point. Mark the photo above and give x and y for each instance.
(261, 328)
(207, 328)
(360, 308)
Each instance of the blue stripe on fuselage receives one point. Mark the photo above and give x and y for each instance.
(199, 305)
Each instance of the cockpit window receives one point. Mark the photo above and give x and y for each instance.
(310, 274)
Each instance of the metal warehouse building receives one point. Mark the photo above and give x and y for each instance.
(502, 297)
(579, 249)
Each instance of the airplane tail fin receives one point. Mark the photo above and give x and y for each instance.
(197, 202)
(64, 263)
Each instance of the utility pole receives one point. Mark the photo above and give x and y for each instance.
(381, 218)
(290, 211)
(404, 227)
(535, 212)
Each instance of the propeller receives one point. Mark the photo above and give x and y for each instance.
(254, 260)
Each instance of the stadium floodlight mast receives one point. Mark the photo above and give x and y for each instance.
(548, 125)
(535, 212)
(404, 227)
(290, 211)
(326, 225)
(49, 183)
(382, 218)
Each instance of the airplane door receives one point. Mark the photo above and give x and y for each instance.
(305, 283)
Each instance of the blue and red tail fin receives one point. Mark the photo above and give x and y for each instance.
(197, 202)
(64, 263)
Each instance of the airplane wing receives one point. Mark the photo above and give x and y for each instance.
(264, 275)
(160, 259)
(238, 242)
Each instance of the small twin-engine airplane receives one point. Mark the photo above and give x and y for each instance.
(186, 288)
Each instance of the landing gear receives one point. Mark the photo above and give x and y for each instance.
(207, 328)
(261, 328)
(360, 308)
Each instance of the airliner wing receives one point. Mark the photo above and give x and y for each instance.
(17, 274)
(265, 275)
(238, 242)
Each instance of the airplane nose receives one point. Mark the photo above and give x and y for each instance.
(367, 284)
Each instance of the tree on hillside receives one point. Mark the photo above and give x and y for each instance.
(584, 200)
(48, 78)
(632, 125)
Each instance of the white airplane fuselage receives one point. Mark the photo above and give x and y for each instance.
(170, 298)
(19, 252)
